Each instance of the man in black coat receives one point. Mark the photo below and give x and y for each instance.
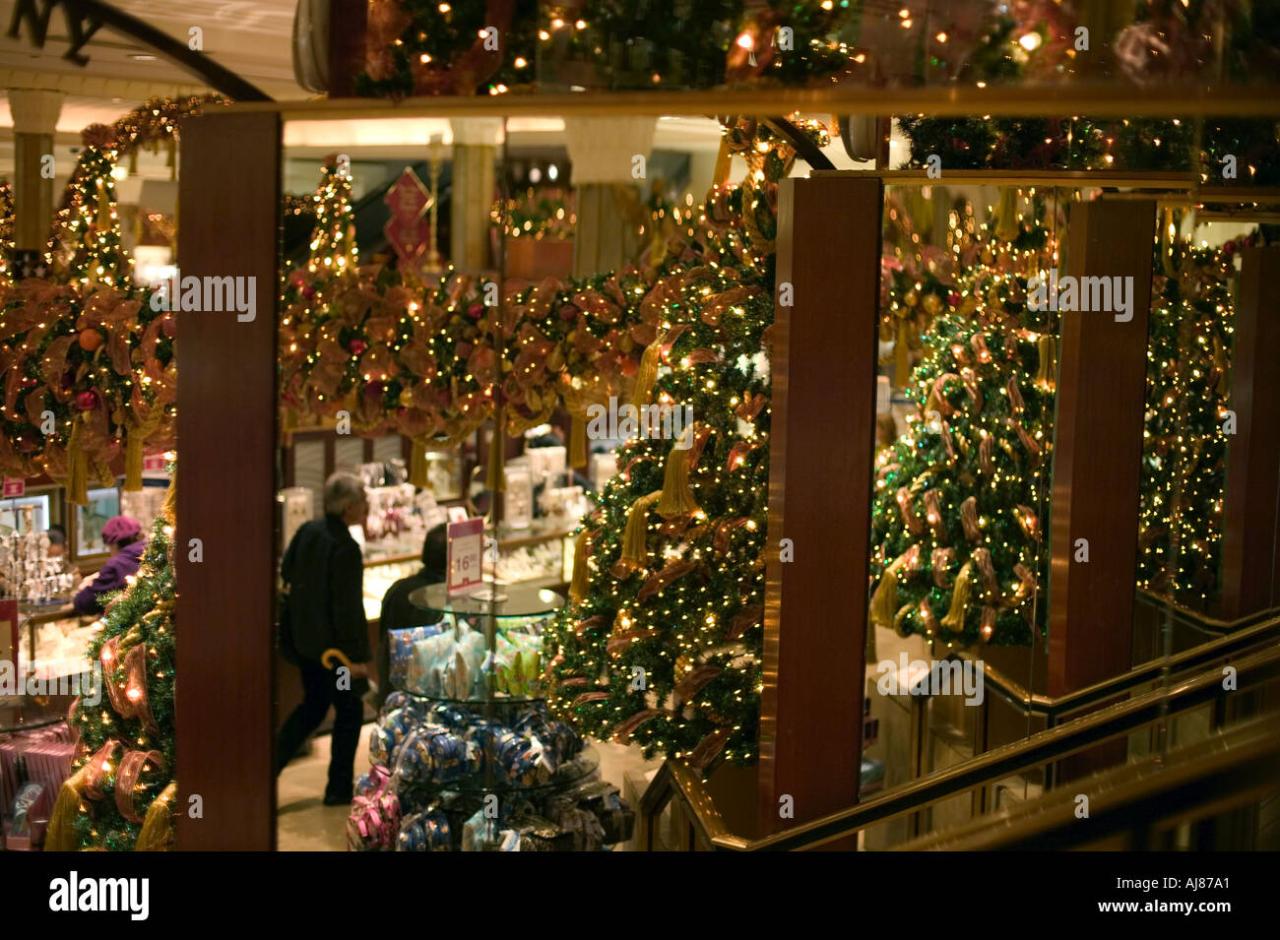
(397, 611)
(323, 573)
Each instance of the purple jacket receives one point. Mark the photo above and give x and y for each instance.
(110, 577)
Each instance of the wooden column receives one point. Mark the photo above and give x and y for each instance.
(475, 153)
(35, 118)
(601, 151)
(1098, 450)
(230, 198)
(1251, 516)
(824, 352)
(348, 21)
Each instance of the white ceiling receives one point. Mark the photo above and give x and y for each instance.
(250, 37)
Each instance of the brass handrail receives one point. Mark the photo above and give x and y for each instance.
(678, 778)
(1042, 748)
(949, 99)
(1052, 707)
(1232, 768)
(1047, 746)
(1199, 619)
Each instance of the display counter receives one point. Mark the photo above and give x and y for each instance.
(57, 639)
(538, 556)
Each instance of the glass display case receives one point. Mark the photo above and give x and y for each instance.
(540, 556)
(465, 755)
(87, 521)
(58, 641)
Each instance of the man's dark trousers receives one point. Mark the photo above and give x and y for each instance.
(320, 692)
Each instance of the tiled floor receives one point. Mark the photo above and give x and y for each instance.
(305, 824)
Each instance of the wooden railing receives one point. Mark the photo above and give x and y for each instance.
(1253, 651)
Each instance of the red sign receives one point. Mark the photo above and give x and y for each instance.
(153, 463)
(14, 487)
(9, 643)
(466, 542)
(408, 229)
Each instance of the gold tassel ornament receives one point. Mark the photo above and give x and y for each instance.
(579, 583)
(578, 456)
(647, 373)
(1047, 374)
(156, 834)
(1007, 216)
(60, 836)
(677, 496)
(418, 463)
(77, 468)
(635, 548)
(954, 620)
(133, 460)
(495, 481)
(884, 602)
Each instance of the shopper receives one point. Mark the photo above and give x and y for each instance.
(123, 536)
(323, 609)
(398, 613)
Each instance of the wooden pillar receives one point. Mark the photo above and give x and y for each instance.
(602, 152)
(475, 152)
(824, 350)
(1251, 516)
(348, 20)
(230, 197)
(35, 119)
(1098, 451)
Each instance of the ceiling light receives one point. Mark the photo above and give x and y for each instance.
(142, 56)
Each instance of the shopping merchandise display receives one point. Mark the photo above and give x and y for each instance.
(35, 759)
(29, 573)
(465, 754)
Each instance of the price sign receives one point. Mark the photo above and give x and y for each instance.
(155, 463)
(14, 487)
(466, 542)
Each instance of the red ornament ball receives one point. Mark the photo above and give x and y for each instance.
(87, 400)
(358, 346)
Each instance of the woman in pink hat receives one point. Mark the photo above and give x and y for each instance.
(124, 535)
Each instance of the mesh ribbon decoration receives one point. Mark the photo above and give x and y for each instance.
(128, 775)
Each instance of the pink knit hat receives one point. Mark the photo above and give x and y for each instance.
(121, 529)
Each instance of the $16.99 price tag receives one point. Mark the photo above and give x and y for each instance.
(466, 542)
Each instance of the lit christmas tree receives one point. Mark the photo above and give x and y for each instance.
(661, 644)
(86, 247)
(120, 796)
(6, 231)
(959, 516)
(1185, 446)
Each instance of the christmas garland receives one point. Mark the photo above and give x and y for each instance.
(422, 47)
